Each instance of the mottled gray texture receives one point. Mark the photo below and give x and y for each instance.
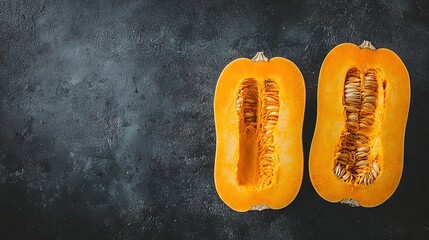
(106, 118)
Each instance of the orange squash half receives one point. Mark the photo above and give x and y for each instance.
(259, 110)
(357, 151)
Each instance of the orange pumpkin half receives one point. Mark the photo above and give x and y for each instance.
(259, 110)
(357, 151)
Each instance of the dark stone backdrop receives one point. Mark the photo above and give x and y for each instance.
(106, 116)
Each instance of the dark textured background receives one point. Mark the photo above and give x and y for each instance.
(106, 119)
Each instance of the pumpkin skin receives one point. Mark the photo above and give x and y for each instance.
(241, 184)
(386, 134)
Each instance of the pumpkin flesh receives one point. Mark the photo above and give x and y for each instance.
(259, 110)
(357, 150)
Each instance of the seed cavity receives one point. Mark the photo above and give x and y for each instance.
(257, 107)
(355, 160)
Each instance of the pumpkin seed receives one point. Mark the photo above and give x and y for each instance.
(352, 163)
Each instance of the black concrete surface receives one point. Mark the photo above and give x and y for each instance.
(106, 116)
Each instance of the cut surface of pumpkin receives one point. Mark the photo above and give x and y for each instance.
(356, 156)
(259, 110)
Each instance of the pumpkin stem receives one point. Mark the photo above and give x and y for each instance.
(350, 202)
(260, 57)
(259, 207)
(367, 44)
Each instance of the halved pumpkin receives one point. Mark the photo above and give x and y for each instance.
(259, 110)
(356, 156)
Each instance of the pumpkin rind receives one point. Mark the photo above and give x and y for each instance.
(287, 134)
(390, 120)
